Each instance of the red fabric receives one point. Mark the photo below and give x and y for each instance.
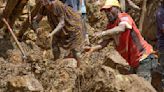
(131, 44)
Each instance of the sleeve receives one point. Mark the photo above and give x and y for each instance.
(125, 20)
(160, 20)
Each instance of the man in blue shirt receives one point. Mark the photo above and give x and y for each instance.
(160, 37)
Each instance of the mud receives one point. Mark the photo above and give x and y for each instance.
(95, 74)
(104, 71)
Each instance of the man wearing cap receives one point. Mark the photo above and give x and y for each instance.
(66, 25)
(129, 42)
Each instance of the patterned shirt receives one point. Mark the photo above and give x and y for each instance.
(71, 34)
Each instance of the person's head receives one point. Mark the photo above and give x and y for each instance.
(112, 9)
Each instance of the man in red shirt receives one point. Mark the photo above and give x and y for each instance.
(129, 42)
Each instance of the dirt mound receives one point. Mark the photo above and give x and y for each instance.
(38, 74)
(104, 71)
(105, 79)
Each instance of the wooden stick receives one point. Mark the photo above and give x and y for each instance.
(13, 35)
(133, 5)
(142, 15)
(123, 5)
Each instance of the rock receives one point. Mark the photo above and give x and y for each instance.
(42, 40)
(14, 56)
(156, 81)
(47, 54)
(61, 76)
(116, 57)
(96, 18)
(35, 56)
(105, 79)
(69, 62)
(22, 83)
(116, 61)
(137, 84)
(30, 35)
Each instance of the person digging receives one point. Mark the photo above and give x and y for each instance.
(129, 42)
(66, 25)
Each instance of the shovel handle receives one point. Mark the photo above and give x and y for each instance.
(16, 40)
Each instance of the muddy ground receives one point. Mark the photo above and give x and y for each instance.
(104, 71)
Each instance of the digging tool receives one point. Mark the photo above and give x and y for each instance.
(13, 35)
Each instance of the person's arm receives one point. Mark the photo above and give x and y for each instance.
(58, 28)
(103, 44)
(111, 32)
(125, 23)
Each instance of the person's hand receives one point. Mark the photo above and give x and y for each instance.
(88, 50)
(98, 34)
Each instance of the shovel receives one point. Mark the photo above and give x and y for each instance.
(16, 40)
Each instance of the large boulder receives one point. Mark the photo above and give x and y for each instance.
(106, 79)
(24, 83)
